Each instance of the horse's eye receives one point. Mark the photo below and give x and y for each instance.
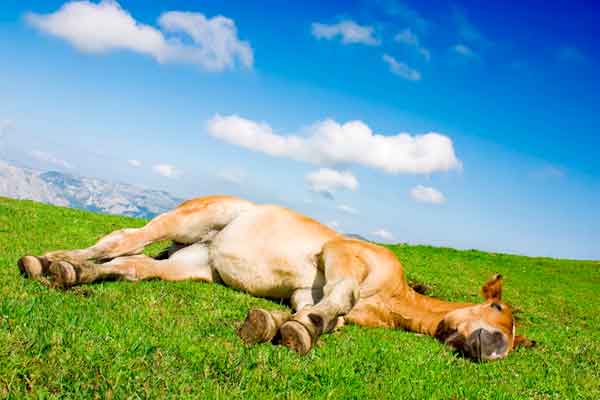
(496, 306)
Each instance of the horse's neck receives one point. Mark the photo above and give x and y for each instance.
(418, 313)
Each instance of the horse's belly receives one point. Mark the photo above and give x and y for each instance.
(264, 277)
(269, 252)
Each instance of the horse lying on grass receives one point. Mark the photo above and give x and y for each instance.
(273, 252)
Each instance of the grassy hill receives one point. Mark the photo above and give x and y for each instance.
(156, 339)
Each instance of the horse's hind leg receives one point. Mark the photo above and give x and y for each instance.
(191, 222)
(119, 243)
(191, 262)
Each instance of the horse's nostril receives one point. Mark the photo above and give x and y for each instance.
(493, 344)
(483, 344)
(471, 346)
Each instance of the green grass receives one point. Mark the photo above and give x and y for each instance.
(160, 339)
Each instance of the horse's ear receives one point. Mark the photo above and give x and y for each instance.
(523, 341)
(492, 290)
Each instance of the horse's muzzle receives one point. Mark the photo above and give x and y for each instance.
(485, 345)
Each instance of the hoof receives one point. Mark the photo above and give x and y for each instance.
(63, 274)
(258, 327)
(33, 267)
(296, 337)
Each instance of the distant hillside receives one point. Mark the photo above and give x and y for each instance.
(90, 194)
(357, 236)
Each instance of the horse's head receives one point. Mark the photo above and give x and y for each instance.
(485, 331)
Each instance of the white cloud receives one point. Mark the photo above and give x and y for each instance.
(232, 176)
(327, 181)
(424, 194)
(334, 225)
(466, 29)
(465, 51)
(409, 38)
(166, 170)
(548, 172)
(6, 126)
(49, 158)
(347, 209)
(401, 69)
(409, 15)
(183, 37)
(384, 234)
(328, 142)
(348, 30)
(134, 163)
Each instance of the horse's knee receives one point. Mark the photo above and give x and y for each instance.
(305, 297)
(343, 294)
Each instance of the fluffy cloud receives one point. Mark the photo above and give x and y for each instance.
(327, 181)
(409, 38)
(347, 209)
(49, 158)
(424, 194)
(384, 234)
(407, 14)
(466, 29)
(328, 142)
(166, 170)
(334, 225)
(401, 69)
(185, 37)
(348, 30)
(134, 163)
(6, 126)
(548, 172)
(465, 51)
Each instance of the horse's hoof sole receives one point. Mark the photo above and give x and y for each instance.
(257, 328)
(296, 337)
(31, 267)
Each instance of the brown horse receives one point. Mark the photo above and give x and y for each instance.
(270, 251)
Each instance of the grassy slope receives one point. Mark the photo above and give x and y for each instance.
(155, 338)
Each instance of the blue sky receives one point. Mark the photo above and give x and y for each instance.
(478, 124)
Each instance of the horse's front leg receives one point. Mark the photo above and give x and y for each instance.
(263, 325)
(340, 294)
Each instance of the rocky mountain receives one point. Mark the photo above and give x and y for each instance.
(81, 192)
(356, 236)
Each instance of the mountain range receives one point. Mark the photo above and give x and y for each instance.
(92, 194)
